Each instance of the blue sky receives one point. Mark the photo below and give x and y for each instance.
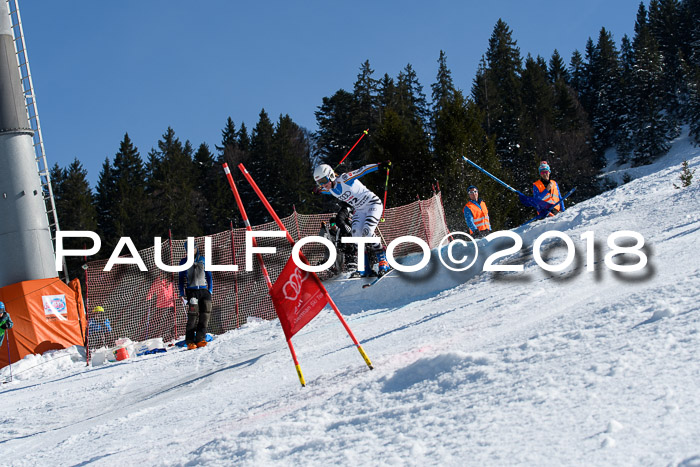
(102, 69)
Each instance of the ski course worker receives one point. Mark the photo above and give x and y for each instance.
(546, 189)
(366, 205)
(196, 287)
(476, 214)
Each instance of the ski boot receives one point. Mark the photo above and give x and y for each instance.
(369, 266)
(382, 264)
(351, 263)
(367, 271)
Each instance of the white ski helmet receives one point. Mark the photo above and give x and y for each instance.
(323, 174)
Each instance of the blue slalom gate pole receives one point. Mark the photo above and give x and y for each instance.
(526, 200)
(499, 181)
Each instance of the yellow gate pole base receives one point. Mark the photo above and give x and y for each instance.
(301, 376)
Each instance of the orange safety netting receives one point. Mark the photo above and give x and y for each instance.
(142, 305)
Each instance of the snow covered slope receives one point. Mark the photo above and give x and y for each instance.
(574, 367)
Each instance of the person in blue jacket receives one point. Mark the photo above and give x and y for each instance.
(196, 288)
(476, 214)
(5, 322)
(99, 327)
(546, 189)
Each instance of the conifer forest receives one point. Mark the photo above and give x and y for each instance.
(633, 96)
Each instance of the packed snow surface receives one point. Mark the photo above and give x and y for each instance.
(579, 366)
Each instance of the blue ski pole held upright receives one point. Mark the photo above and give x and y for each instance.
(526, 200)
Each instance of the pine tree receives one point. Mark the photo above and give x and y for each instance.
(690, 49)
(293, 183)
(500, 83)
(76, 209)
(336, 132)
(365, 113)
(106, 205)
(403, 139)
(216, 207)
(690, 26)
(228, 137)
(624, 139)
(131, 207)
(665, 25)
(589, 81)
(555, 129)
(459, 132)
(243, 138)
(443, 90)
(171, 185)
(416, 104)
(233, 150)
(538, 104)
(605, 92)
(262, 167)
(557, 70)
(577, 73)
(686, 176)
(652, 129)
(536, 125)
(693, 111)
(386, 93)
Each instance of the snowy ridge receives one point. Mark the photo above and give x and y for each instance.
(527, 368)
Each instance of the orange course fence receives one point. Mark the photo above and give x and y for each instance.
(141, 305)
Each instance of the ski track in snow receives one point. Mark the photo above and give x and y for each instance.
(527, 368)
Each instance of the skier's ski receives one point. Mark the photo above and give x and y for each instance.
(364, 286)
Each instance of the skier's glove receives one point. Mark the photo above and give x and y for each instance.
(385, 165)
(316, 190)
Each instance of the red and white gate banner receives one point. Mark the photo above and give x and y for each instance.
(297, 297)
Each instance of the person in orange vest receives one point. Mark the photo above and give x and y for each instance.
(546, 189)
(476, 214)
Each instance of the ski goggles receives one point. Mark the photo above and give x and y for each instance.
(322, 181)
(473, 190)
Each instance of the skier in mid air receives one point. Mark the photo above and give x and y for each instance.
(367, 206)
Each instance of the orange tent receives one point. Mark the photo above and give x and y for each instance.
(47, 315)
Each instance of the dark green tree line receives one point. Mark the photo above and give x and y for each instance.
(633, 97)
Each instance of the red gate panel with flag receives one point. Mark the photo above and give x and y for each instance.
(297, 297)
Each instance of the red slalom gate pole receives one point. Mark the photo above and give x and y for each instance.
(386, 189)
(366, 132)
(279, 223)
(241, 208)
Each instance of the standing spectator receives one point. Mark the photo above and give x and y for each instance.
(546, 189)
(476, 214)
(161, 303)
(99, 325)
(196, 287)
(5, 322)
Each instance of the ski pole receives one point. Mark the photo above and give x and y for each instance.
(353, 147)
(148, 314)
(386, 188)
(9, 358)
(492, 176)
